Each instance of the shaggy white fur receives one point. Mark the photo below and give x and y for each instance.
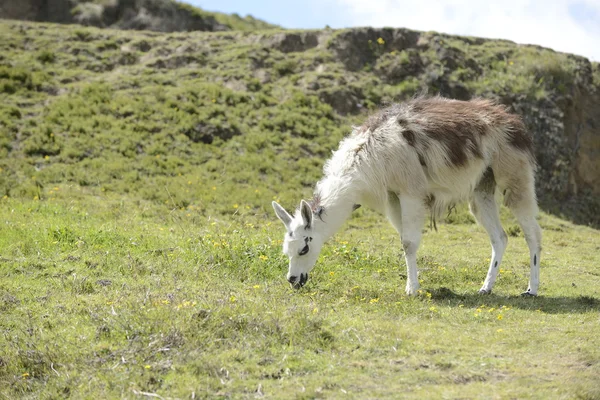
(428, 153)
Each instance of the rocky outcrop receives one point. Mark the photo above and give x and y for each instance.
(559, 104)
(37, 10)
(154, 15)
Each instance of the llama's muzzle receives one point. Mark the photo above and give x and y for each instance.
(298, 283)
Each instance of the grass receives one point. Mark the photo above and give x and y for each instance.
(104, 297)
(139, 255)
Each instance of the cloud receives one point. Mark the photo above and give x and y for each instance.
(571, 26)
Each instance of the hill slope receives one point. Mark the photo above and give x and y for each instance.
(124, 112)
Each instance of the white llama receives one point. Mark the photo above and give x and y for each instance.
(427, 153)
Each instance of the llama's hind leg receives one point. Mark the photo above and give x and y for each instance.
(524, 208)
(483, 206)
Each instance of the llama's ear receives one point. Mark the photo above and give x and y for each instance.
(355, 207)
(283, 215)
(306, 213)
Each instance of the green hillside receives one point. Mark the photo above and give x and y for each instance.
(120, 112)
(140, 257)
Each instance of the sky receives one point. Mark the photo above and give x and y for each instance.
(571, 26)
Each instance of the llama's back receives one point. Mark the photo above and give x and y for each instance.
(440, 146)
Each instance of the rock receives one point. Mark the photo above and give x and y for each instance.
(394, 67)
(342, 99)
(206, 132)
(292, 42)
(356, 48)
(155, 15)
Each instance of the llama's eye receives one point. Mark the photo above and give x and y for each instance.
(303, 251)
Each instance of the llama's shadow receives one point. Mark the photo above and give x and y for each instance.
(546, 304)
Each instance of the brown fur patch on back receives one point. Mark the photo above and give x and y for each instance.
(457, 124)
(513, 125)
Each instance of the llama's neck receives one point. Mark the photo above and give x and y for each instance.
(334, 201)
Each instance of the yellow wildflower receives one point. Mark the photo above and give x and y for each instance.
(380, 41)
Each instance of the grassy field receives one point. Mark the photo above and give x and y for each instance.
(140, 256)
(108, 298)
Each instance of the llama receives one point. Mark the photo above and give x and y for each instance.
(426, 154)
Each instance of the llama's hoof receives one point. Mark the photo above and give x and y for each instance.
(528, 293)
(485, 291)
(412, 291)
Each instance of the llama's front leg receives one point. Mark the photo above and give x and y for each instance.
(413, 216)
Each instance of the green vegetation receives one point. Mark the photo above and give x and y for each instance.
(102, 296)
(139, 253)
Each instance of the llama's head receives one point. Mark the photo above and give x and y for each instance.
(302, 243)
